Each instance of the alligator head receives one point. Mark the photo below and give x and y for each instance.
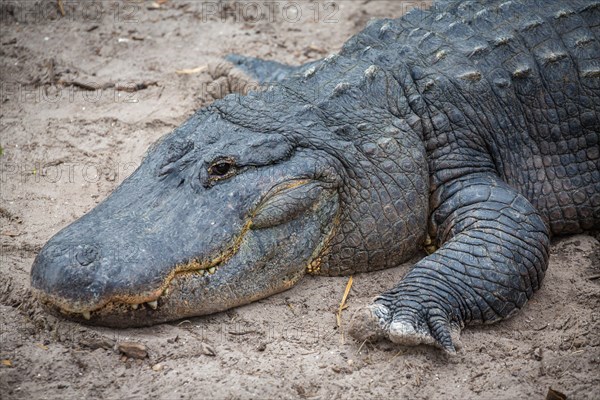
(237, 204)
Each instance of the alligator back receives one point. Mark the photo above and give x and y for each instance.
(511, 87)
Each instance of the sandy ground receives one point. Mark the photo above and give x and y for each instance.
(65, 148)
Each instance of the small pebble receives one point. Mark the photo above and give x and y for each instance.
(133, 350)
(157, 367)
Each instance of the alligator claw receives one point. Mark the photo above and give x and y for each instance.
(435, 332)
(377, 321)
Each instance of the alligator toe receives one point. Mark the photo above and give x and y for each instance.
(370, 323)
(432, 329)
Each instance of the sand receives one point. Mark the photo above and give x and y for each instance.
(66, 148)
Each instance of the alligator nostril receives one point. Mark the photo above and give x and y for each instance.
(87, 255)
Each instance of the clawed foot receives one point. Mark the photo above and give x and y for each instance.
(405, 327)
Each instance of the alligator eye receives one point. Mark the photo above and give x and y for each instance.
(221, 169)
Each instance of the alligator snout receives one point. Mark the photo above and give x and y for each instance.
(87, 255)
(80, 277)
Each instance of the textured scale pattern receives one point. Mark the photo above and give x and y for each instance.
(514, 87)
(509, 96)
(502, 101)
(474, 124)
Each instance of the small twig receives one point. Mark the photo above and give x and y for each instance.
(342, 306)
(593, 277)
(83, 85)
(343, 302)
(98, 362)
(124, 87)
(191, 71)
(241, 333)
(568, 367)
(134, 87)
(576, 335)
(60, 7)
(361, 346)
(395, 356)
(564, 325)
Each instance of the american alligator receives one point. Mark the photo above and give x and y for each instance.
(472, 127)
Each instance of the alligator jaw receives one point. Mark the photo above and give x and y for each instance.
(144, 301)
(162, 308)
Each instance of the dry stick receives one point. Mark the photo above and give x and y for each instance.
(577, 332)
(342, 306)
(98, 362)
(83, 85)
(396, 355)
(361, 346)
(61, 8)
(236, 333)
(128, 87)
(124, 87)
(191, 70)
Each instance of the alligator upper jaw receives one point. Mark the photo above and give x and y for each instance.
(135, 308)
(149, 299)
(170, 302)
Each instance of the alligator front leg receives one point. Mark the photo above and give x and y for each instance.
(493, 255)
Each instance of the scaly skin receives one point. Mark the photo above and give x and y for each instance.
(474, 125)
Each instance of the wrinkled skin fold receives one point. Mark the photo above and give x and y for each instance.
(472, 128)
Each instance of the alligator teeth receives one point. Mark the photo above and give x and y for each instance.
(166, 292)
(86, 315)
(212, 270)
(135, 306)
(202, 272)
(153, 304)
